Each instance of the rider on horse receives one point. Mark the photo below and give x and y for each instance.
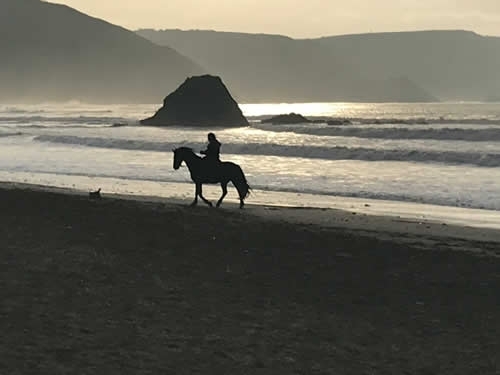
(211, 159)
(213, 149)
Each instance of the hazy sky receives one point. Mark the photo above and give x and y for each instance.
(298, 18)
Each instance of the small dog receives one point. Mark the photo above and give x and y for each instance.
(95, 194)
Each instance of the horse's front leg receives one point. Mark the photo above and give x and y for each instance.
(197, 191)
(223, 185)
(200, 193)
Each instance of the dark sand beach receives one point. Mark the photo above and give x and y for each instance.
(117, 286)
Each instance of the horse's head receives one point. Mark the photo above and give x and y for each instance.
(182, 154)
(177, 158)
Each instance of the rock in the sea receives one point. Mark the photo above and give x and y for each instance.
(338, 121)
(199, 101)
(291, 118)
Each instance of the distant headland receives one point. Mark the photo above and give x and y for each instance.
(43, 59)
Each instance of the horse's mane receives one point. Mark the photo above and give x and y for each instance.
(184, 148)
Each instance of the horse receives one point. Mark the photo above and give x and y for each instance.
(223, 173)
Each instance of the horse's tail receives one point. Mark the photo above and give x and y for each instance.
(241, 184)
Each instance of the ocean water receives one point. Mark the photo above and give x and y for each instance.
(445, 154)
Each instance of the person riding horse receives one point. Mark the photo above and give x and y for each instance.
(212, 155)
(226, 172)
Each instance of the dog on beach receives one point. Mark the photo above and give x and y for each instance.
(95, 194)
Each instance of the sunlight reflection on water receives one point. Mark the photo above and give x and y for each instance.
(306, 109)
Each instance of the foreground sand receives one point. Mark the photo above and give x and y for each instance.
(127, 287)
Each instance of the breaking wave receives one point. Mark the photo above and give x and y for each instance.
(426, 121)
(3, 135)
(455, 134)
(70, 121)
(270, 149)
(17, 110)
(395, 120)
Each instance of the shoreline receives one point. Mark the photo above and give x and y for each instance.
(355, 216)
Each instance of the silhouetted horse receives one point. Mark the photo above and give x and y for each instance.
(202, 172)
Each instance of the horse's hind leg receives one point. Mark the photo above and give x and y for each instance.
(223, 185)
(200, 193)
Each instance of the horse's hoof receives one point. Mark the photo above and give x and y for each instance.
(210, 204)
(193, 204)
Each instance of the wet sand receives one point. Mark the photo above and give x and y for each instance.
(131, 286)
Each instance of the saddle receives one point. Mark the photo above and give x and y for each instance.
(211, 172)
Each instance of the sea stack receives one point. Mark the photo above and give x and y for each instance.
(291, 118)
(200, 101)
